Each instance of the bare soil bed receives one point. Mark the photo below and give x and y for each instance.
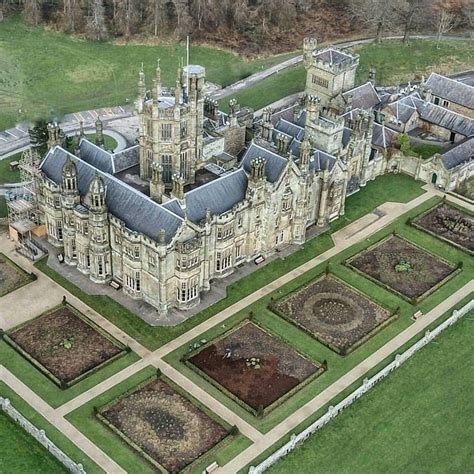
(164, 425)
(64, 344)
(11, 276)
(449, 223)
(402, 267)
(254, 366)
(331, 311)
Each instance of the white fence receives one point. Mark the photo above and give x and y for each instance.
(333, 411)
(40, 436)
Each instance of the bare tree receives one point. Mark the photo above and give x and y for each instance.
(96, 26)
(156, 14)
(467, 12)
(73, 14)
(184, 20)
(126, 16)
(445, 18)
(410, 14)
(376, 14)
(32, 11)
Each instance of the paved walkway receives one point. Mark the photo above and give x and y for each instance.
(45, 292)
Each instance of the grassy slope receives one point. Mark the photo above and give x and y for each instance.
(20, 453)
(393, 62)
(6, 175)
(425, 429)
(92, 74)
(386, 188)
(16, 461)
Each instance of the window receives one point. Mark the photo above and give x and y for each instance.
(166, 130)
(184, 262)
(166, 162)
(286, 205)
(225, 231)
(117, 239)
(151, 261)
(436, 100)
(279, 238)
(183, 165)
(59, 226)
(188, 290)
(319, 81)
(57, 202)
(240, 221)
(100, 265)
(86, 228)
(137, 281)
(223, 260)
(136, 251)
(88, 260)
(445, 103)
(184, 129)
(238, 249)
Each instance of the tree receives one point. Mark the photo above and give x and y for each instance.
(72, 14)
(445, 18)
(39, 136)
(32, 11)
(126, 16)
(156, 12)
(96, 27)
(410, 14)
(467, 12)
(376, 14)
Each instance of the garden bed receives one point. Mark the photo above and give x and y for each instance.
(12, 276)
(64, 345)
(403, 267)
(164, 427)
(337, 315)
(450, 224)
(254, 368)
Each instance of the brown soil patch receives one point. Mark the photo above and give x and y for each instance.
(165, 425)
(451, 224)
(64, 344)
(280, 368)
(385, 262)
(11, 277)
(334, 313)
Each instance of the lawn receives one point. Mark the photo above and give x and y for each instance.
(425, 430)
(109, 142)
(6, 175)
(426, 150)
(316, 351)
(393, 62)
(92, 74)
(397, 188)
(20, 454)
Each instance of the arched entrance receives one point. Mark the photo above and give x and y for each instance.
(434, 178)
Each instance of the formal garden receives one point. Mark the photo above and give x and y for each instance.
(403, 267)
(337, 315)
(12, 276)
(449, 223)
(254, 367)
(64, 345)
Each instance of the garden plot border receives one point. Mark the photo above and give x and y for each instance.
(61, 384)
(413, 222)
(231, 432)
(29, 277)
(412, 301)
(272, 307)
(319, 366)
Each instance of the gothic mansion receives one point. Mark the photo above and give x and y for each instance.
(203, 200)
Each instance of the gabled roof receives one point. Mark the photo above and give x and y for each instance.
(446, 118)
(383, 136)
(459, 153)
(274, 164)
(220, 196)
(322, 161)
(363, 97)
(126, 158)
(332, 56)
(290, 128)
(137, 211)
(451, 90)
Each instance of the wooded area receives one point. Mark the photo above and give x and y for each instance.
(248, 25)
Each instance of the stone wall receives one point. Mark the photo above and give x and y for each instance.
(40, 436)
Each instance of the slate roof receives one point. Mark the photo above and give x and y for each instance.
(220, 196)
(451, 90)
(137, 211)
(290, 128)
(332, 56)
(459, 154)
(126, 158)
(446, 118)
(274, 165)
(321, 161)
(383, 136)
(363, 97)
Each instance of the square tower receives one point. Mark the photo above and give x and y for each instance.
(329, 71)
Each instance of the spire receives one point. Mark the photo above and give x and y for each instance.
(305, 153)
(157, 81)
(141, 83)
(99, 135)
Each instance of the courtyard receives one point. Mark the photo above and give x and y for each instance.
(338, 316)
(12, 276)
(168, 430)
(402, 267)
(255, 367)
(449, 223)
(64, 345)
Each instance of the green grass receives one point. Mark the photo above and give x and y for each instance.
(45, 387)
(92, 74)
(109, 142)
(316, 351)
(424, 430)
(426, 150)
(394, 63)
(86, 421)
(19, 454)
(386, 188)
(6, 175)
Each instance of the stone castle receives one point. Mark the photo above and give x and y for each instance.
(205, 197)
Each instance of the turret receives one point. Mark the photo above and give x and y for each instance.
(141, 84)
(54, 135)
(157, 82)
(257, 169)
(69, 176)
(372, 76)
(97, 192)
(99, 132)
(157, 186)
(177, 190)
(309, 46)
(305, 154)
(267, 125)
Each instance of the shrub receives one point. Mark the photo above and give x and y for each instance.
(234, 430)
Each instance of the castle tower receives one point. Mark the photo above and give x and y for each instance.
(171, 126)
(55, 135)
(329, 71)
(100, 258)
(69, 199)
(157, 186)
